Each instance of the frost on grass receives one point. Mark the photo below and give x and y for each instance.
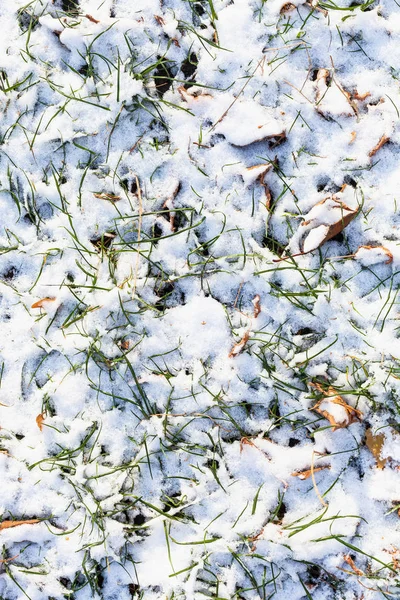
(199, 271)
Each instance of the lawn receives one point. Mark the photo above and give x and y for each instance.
(199, 320)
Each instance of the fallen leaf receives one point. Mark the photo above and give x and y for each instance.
(39, 421)
(263, 170)
(237, 348)
(257, 306)
(353, 137)
(322, 232)
(39, 303)
(92, 19)
(361, 97)
(326, 87)
(347, 558)
(191, 97)
(159, 20)
(374, 443)
(384, 140)
(350, 414)
(287, 8)
(387, 254)
(8, 524)
(308, 472)
(106, 196)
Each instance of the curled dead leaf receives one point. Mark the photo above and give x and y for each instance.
(383, 140)
(287, 8)
(361, 97)
(374, 443)
(39, 303)
(39, 421)
(326, 87)
(322, 232)
(347, 559)
(257, 306)
(308, 472)
(107, 196)
(92, 19)
(237, 348)
(8, 524)
(380, 250)
(327, 408)
(190, 97)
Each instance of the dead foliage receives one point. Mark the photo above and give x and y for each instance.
(352, 414)
(39, 303)
(383, 140)
(8, 524)
(239, 347)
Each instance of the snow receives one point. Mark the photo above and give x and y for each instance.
(152, 419)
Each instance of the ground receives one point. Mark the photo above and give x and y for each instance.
(199, 271)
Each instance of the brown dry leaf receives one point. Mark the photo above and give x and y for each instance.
(374, 443)
(308, 472)
(383, 249)
(352, 414)
(361, 97)
(324, 83)
(39, 303)
(159, 20)
(347, 558)
(353, 137)
(237, 348)
(92, 19)
(287, 8)
(39, 421)
(257, 306)
(262, 169)
(330, 230)
(106, 196)
(189, 97)
(384, 140)
(8, 524)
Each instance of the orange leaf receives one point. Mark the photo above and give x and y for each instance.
(308, 472)
(8, 524)
(382, 249)
(92, 19)
(237, 348)
(351, 414)
(39, 303)
(384, 140)
(352, 564)
(374, 444)
(39, 421)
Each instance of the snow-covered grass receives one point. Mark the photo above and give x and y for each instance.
(199, 272)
